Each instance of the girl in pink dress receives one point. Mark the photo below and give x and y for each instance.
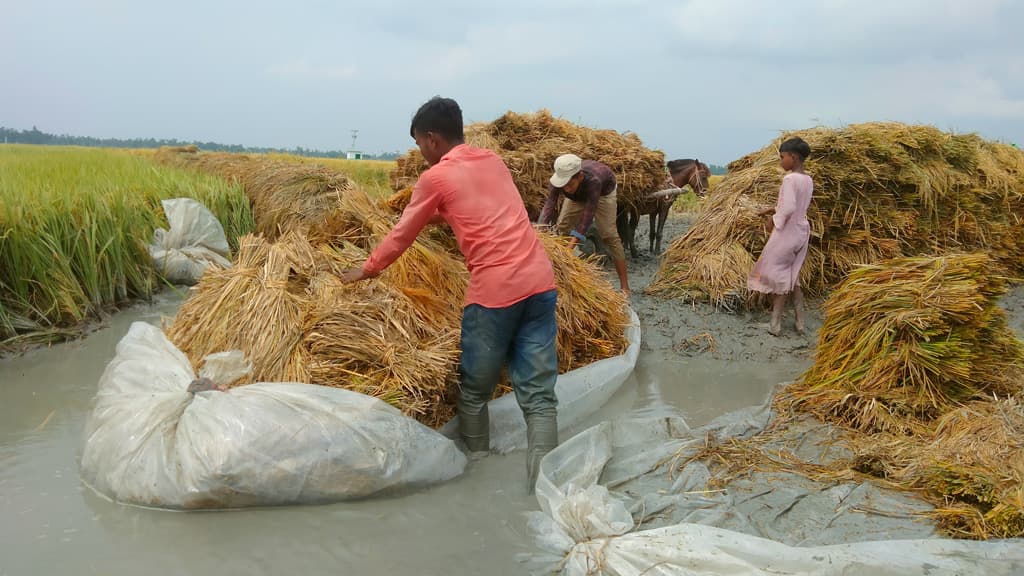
(777, 271)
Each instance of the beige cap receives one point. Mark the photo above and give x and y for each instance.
(566, 166)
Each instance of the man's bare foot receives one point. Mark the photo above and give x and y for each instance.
(775, 328)
(800, 328)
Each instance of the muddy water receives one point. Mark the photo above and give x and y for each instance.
(51, 524)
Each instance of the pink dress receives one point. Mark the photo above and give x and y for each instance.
(777, 271)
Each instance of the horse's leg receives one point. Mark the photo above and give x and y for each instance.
(653, 218)
(663, 209)
(634, 222)
(628, 232)
(622, 227)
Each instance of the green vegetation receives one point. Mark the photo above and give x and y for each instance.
(74, 224)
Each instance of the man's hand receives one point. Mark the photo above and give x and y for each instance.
(766, 211)
(352, 275)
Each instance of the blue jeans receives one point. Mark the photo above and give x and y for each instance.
(523, 335)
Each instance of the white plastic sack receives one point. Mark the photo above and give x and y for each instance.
(195, 240)
(586, 529)
(580, 392)
(151, 442)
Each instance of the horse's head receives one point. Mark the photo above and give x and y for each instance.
(692, 172)
(703, 174)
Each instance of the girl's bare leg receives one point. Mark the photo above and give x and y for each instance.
(798, 309)
(775, 325)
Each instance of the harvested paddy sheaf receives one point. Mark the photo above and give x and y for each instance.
(529, 144)
(916, 365)
(907, 340)
(372, 176)
(285, 195)
(881, 190)
(74, 225)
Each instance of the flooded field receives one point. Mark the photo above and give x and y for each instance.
(51, 524)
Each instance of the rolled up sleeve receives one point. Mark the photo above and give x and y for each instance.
(549, 206)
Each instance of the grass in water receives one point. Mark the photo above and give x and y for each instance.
(74, 224)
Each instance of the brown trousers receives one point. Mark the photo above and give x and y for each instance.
(604, 218)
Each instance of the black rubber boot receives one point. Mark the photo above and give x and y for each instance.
(476, 432)
(541, 438)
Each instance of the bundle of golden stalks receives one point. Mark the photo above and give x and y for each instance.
(881, 190)
(283, 306)
(906, 340)
(916, 363)
(529, 144)
(284, 195)
(394, 337)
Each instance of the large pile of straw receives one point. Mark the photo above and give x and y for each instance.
(906, 340)
(394, 337)
(529, 144)
(915, 359)
(282, 305)
(284, 195)
(882, 190)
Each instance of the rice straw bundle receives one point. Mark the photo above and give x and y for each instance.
(969, 463)
(256, 306)
(882, 190)
(288, 196)
(529, 144)
(284, 196)
(916, 363)
(369, 337)
(906, 340)
(431, 272)
(285, 308)
(976, 456)
(399, 200)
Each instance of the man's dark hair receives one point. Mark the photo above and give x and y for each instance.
(796, 145)
(441, 116)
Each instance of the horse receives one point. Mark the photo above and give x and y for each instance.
(682, 172)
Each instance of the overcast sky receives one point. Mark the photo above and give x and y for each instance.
(713, 79)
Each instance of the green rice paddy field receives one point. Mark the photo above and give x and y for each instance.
(75, 222)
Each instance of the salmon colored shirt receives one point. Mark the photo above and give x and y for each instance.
(473, 191)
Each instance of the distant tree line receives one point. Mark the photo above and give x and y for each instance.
(35, 136)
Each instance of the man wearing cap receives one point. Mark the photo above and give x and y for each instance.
(589, 189)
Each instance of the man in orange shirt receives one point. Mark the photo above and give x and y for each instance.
(510, 302)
